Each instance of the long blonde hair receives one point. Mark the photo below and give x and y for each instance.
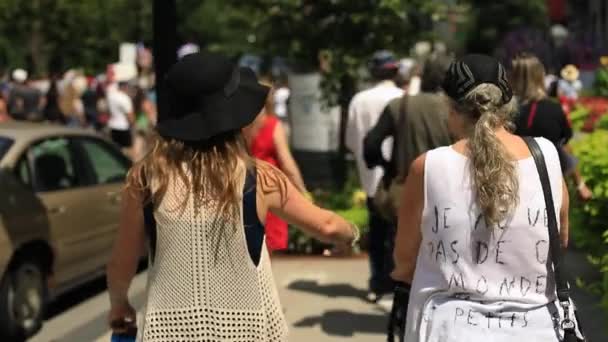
(493, 171)
(208, 170)
(213, 173)
(528, 78)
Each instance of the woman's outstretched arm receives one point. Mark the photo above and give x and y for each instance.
(277, 194)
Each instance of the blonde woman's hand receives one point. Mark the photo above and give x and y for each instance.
(122, 318)
(347, 247)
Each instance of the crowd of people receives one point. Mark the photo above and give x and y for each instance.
(468, 214)
(123, 109)
(461, 217)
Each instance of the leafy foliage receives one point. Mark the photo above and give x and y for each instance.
(600, 86)
(526, 39)
(53, 35)
(578, 117)
(351, 30)
(492, 19)
(589, 221)
(346, 32)
(347, 203)
(44, 35)
(218, 25)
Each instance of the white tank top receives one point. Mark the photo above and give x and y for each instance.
(459, 254)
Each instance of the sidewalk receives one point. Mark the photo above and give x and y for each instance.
(594, 319)
(324, 300)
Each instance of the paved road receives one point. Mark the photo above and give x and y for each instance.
(323, 300)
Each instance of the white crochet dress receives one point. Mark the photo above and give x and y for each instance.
(203, 285)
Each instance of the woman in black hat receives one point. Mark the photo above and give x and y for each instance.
(472, 244)
(211, 278)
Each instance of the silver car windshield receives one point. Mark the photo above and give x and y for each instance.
(5, 144)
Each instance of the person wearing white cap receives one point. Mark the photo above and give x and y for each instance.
(122, 117)
(20, 75)
(363, 114)
(408, 76)
(24, 102)
(187, 49)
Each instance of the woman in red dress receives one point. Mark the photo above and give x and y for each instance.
(268, 142)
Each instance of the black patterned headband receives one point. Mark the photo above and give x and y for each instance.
(472, 70)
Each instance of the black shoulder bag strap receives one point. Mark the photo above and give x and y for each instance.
(555, 250)
(391, 171)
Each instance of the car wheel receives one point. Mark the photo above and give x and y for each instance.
(22, 301)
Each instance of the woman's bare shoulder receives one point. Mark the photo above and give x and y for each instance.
(417, 167)
(269, 177)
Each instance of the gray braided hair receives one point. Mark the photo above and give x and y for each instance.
(494, 174)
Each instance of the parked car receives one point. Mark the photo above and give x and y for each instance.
(59, 207)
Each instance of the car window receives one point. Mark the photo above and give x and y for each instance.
(107, 165)
(5, 143)
(54, 165)
(22, 172)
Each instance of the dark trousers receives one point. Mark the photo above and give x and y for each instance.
(381, 244)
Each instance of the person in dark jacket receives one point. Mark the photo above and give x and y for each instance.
(51, 111)
(416, 123)
(24, 102)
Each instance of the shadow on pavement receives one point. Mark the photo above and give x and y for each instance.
(79, 294)
(346, 323)
(330, 290)
(74, 297)
(593, 318)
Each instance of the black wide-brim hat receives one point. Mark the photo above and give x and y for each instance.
(208, 95)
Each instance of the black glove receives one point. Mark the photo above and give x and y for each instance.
(396, 323)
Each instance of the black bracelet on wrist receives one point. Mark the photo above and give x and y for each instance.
(403, 285)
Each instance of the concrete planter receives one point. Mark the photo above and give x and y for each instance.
(314, 130)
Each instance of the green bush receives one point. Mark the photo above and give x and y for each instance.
(348, 203)
(578, 117)
(603, 123)
(589, 221)
(600, 86)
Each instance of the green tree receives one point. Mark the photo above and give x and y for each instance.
(347, 31)
(491, 20)
(217, 25)
(56, 34)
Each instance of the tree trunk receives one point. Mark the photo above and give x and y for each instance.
(165, 47)
(35, 43)
(347, 91)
